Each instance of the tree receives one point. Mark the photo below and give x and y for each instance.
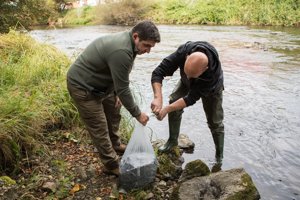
(24, 13)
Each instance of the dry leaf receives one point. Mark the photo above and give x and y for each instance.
(106, 191)
(66, 135)
(76, 188)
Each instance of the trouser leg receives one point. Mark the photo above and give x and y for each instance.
(92, 113)
(214, 114)
(113, 118)
(174, 118)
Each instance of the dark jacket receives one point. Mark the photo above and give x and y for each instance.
(207, 83)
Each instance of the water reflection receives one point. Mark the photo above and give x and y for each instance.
(261, 97)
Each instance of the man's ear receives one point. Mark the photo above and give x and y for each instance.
(135, 35)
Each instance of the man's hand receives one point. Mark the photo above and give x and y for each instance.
(163, 112)
(177, 105)
(118, 103)
(143, 118)
(156, 105)
(157, 102)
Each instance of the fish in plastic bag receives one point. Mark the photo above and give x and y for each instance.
(139, 164)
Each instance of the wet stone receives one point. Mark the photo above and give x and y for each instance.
(137, 171)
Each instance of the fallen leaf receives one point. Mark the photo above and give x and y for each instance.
(76, 188)
(66, 135)
(106, 191)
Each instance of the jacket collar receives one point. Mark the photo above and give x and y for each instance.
(134, 49)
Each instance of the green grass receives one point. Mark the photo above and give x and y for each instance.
(227, 12)
(34, 102)
(80, 16)
(218, 12)
(33, 96)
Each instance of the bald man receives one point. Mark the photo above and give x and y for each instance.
(201, 77)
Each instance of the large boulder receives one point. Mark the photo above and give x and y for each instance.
(234, 184)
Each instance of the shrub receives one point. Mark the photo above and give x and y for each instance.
(125, 12)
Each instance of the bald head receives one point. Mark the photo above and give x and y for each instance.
(195, 64)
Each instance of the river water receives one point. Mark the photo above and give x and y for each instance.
(261, 98)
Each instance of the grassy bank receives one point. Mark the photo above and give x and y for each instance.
(33, 97)
(43, 145)
(228, 12)
(35, 107)
(221, 12)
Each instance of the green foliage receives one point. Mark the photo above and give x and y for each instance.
(230, 12)
(267, 12)
(33, 96)
(7, 180)
(63, 183)
(126, 126)
(126, 12)
(166, 165)
(80, 16)
(15, 13)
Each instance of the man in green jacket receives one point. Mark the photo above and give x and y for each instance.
(98, 82)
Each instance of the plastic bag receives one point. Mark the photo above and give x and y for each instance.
(138, 164)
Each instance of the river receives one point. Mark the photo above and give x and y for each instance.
(261, 98)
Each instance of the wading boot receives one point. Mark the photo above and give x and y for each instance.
(174, 119)
(219, 145)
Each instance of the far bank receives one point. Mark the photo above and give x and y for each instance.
(218, 12)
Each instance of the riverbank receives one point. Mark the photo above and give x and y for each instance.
(44, 151)
(258, 71)
(218, 12)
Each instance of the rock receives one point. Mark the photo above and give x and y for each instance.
(149, 196)
(81, 173)
(167, 168)
(162, 183)
(232, 184)
(170, 190)
(193, 169)
(184, 142)
(159, 191)
(49, 186)
(158, 143)
(91, 171)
